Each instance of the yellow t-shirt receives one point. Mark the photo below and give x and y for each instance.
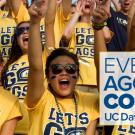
(59, 25)
(17, 77)
(82, 44)
(9, 107)
(46, 119)
(124, 130)
(22, 15)
(7, 27)
(3, 13)
(16, 82)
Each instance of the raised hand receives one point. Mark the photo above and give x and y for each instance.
(92, 5)
(79, 7)
(37, 10)
(101, 13)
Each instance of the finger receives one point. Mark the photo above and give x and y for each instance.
(100, 14)
(83, 4)
(92, 5)
(97, 14)
(33, 10)
(107, 10)
(33, 13)
(79, 3)
(38, 3)
(102, 11)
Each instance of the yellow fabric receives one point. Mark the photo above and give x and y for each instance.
(59, 25)
(3, 13)
(17, 77)
(7, 27)
(9, 107)
(46, 119)
(124, 130)
(82, 44)
(22, 15)
(16, 83)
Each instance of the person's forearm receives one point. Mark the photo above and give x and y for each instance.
(66, 4)
(15, 4)
(51, 12)
(50, 38)
(35, 60)
(130, 15)
(71, 25)
(91, 128)
(100, 46)
(49, 25)
(8, 127)
(36, 75)
(131, 38)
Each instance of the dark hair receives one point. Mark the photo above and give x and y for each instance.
(64, 42)
(14, 55)
(60, 52)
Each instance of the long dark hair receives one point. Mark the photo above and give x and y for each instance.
(14, 55)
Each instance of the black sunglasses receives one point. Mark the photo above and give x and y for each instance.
(58, 68)
(21, 30)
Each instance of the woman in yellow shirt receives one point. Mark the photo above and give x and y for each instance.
(57, 108)
(14, 75)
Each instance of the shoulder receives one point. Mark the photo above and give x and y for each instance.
(87, 97)
(22, 60)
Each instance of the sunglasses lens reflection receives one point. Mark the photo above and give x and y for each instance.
(58, 68)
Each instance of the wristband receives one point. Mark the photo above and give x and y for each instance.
(99, 26)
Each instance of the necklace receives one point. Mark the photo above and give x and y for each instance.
(76, 113)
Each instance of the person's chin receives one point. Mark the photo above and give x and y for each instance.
(65, 93)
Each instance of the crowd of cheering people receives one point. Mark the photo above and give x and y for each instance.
(49, 63)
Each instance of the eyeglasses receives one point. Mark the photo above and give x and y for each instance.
(21, 30)
(58, 68)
